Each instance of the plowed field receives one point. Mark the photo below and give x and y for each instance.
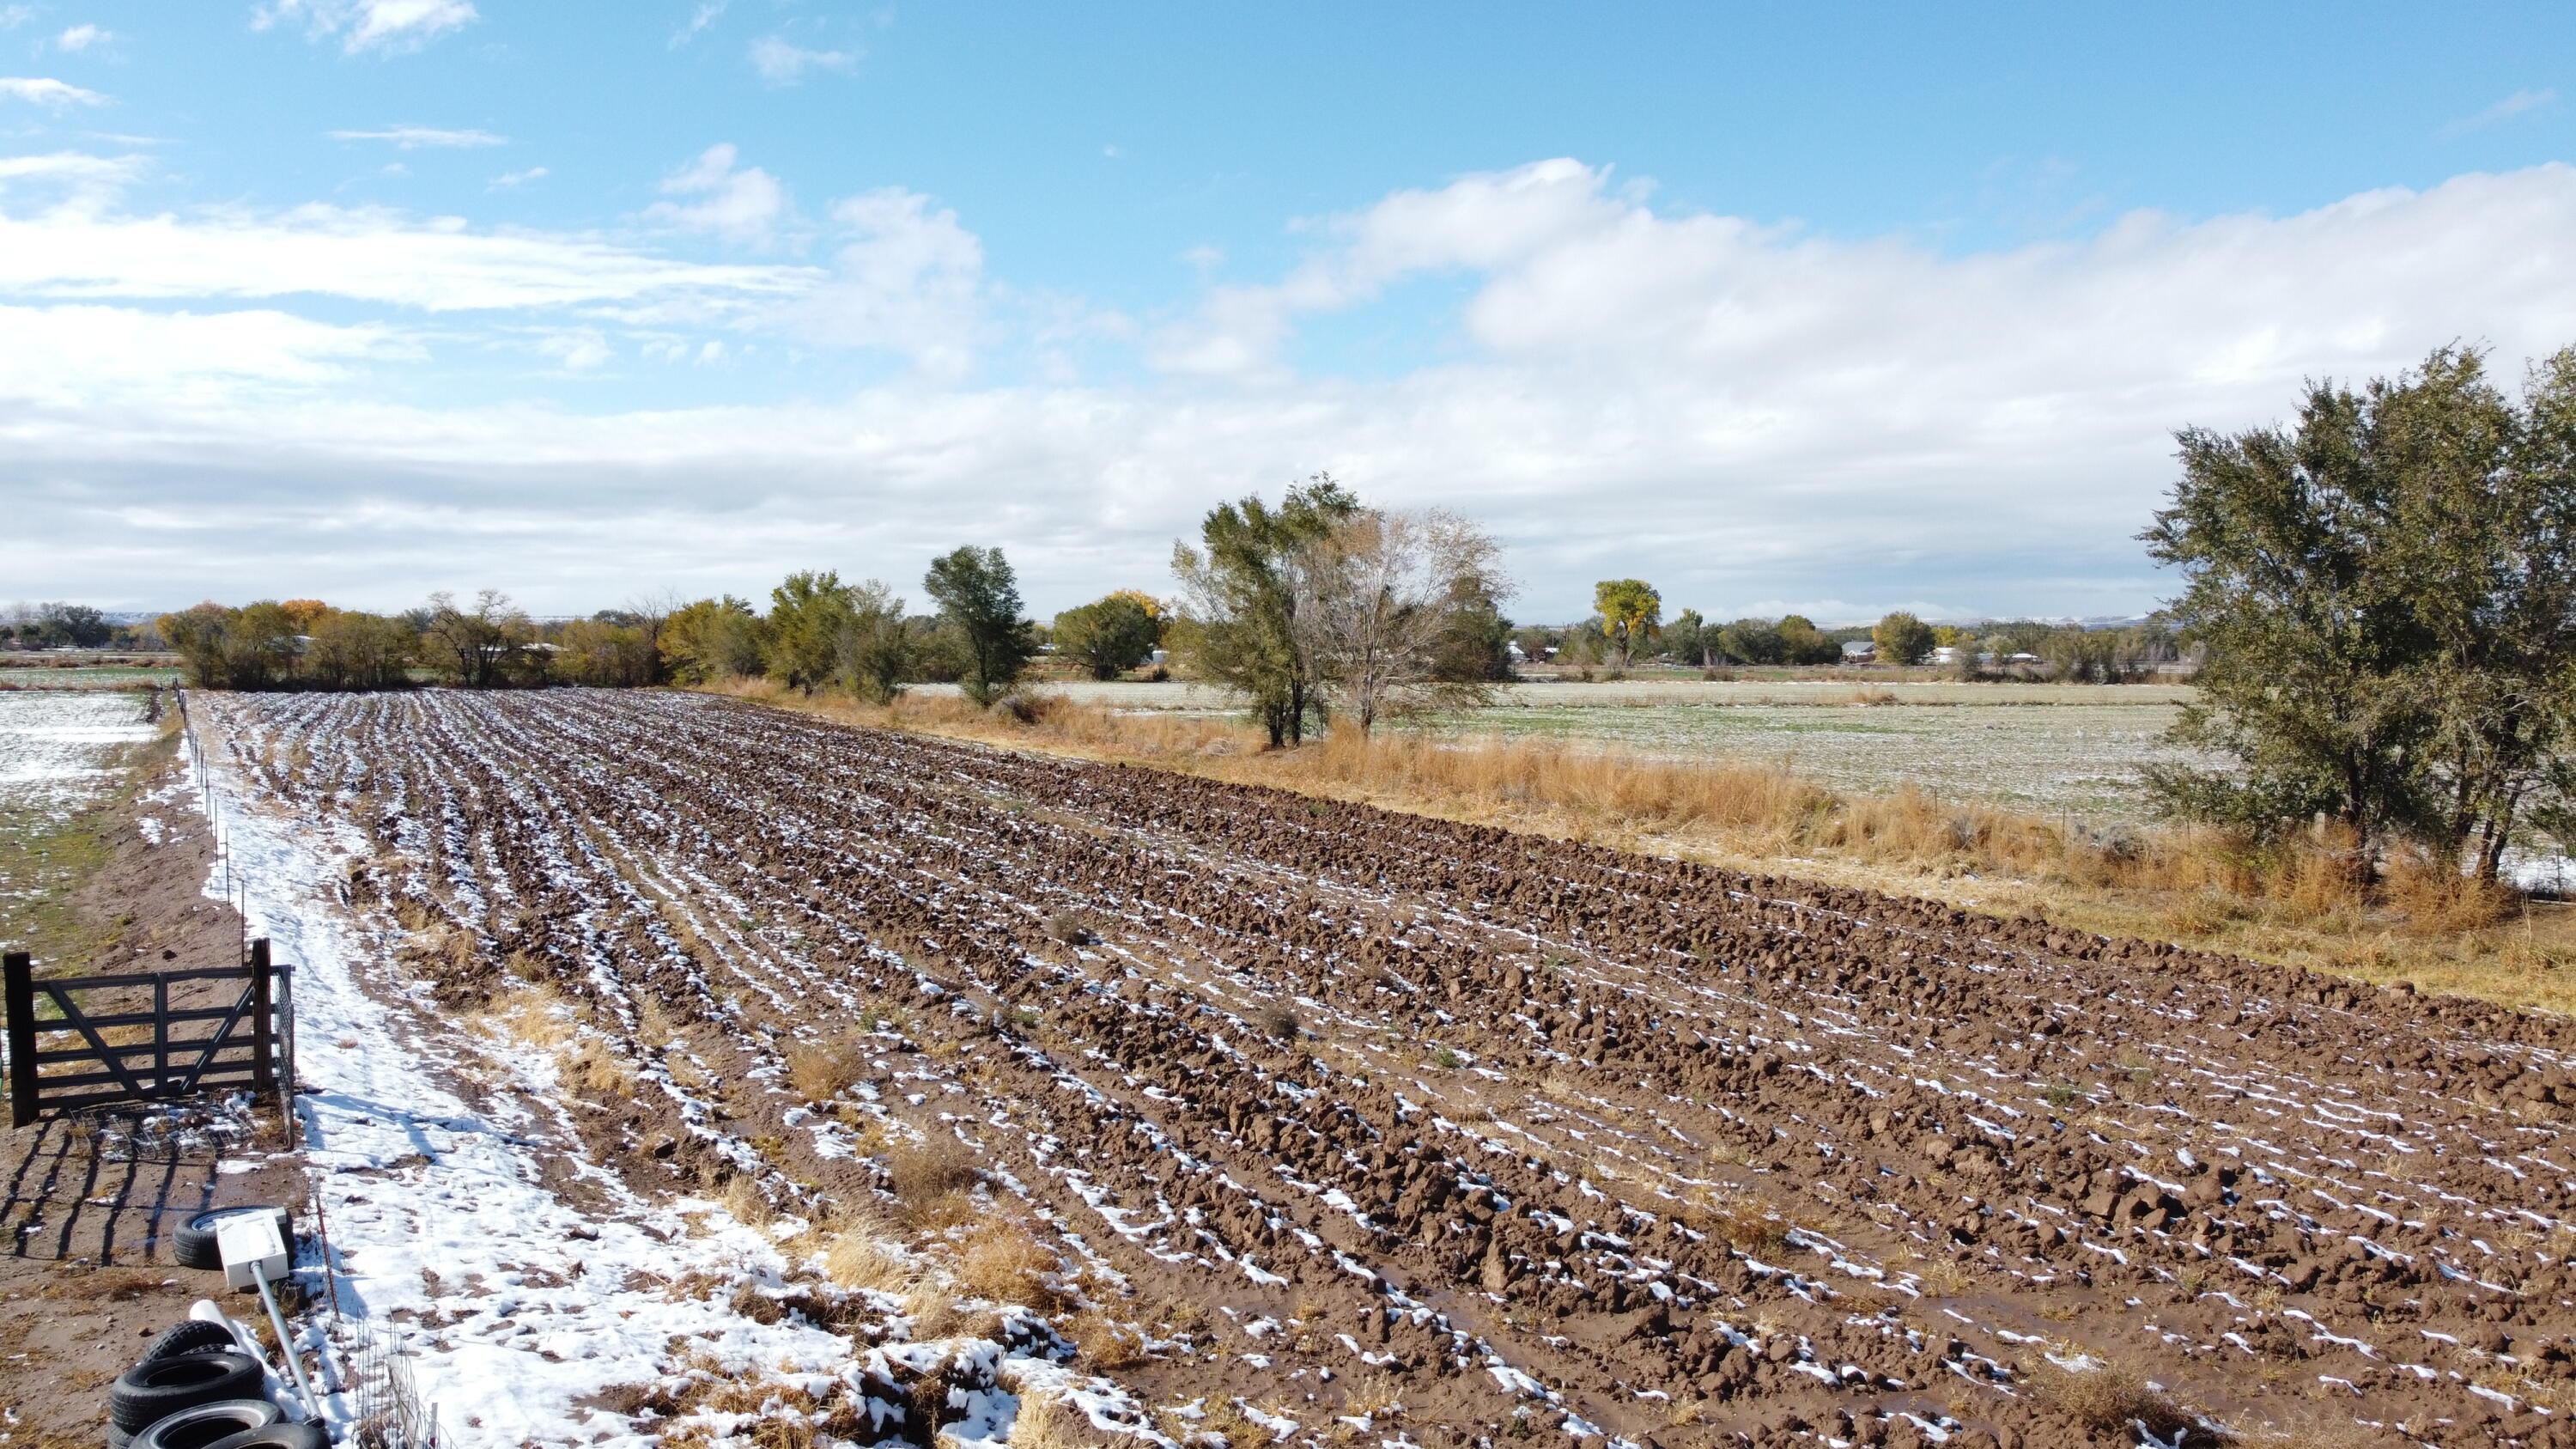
(1339, 1109)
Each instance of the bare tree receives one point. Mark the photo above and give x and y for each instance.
(473, 645)
(1379, 591)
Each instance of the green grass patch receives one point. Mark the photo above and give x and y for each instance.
(46, 856)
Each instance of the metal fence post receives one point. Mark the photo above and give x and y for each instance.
(19, 975)
(286, 1039)
(263, 1064)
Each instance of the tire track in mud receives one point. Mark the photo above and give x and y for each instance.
(1523, 1134)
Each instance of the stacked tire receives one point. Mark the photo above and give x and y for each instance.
(194, 1387)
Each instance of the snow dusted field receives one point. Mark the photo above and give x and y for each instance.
(452, 1229)
(689, 1071)
(54, 743)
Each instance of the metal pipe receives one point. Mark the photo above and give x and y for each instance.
(286, 1347)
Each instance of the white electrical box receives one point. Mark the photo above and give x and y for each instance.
(251, 1244)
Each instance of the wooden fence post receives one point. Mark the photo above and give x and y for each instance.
(263, 1066)
(20, 981)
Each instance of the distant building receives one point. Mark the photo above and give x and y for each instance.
(1859, 651)
(1945, 654)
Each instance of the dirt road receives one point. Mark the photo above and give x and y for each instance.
(1464, 1135)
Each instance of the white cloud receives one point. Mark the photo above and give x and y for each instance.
(2517, 104)
(743, 206)
(83, 37)
(413, 138)
(1742, 413)
(582, 349)
(13, 16)
(511, 180)
(699, 19)
(83, 355)
(784, 64)
(46, 91)
(364, 254)
(908, 279)
(83, 183)
(363, 25)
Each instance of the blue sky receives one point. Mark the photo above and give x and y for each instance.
(1833, 308)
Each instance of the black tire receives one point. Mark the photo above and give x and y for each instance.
(280, 1435)
(208, 1424)
(118, 1439)
(193, 1246)
(154, 1390)
(194, 1336)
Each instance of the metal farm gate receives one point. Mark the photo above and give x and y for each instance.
(121, 1049)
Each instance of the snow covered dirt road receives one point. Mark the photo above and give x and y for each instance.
(713, 1067)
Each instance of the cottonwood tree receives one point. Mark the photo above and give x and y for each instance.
(979, 602)
(1631, 613)
(1242, 591)
(1109, 636)
(2386, 592)
(1383, 590)
(712, 639)
(807, 613)
(352, 650)
(474, 645)
(874, 650)
(1901, 638)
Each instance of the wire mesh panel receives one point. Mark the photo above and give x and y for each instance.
(388, 1413)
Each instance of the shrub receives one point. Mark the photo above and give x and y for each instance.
(820, 1071)
(1005, 1262)
(1278, 1020)
(2108, 1397)
(923, 1172)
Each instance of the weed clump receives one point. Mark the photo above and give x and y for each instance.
(821, 1071)
(927, 1175)
(1277, 1020)
(1005, 1262)
(2108, 1397)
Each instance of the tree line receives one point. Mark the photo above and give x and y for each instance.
(66, 626)
(1314, 608)
(1628, 626)
(817, 633)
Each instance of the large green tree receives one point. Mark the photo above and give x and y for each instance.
(808, 612)
(979, 602)
(2386, 592)
(1245, 586)
(1108, 636)
(1901, 638)
(1631, 614)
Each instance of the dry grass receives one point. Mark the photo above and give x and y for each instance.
(593, 1070)
(747, 1204)
(860, 1259)
(933, 1179)
(821, 1071)
(1277, 1020)
(2107, 1398)
(2295, 904)
(1046, 1421)
(1105, 1345)
(1738, 1222)
(1004, 1261)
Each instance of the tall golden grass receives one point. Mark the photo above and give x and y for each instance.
(2297, 901)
